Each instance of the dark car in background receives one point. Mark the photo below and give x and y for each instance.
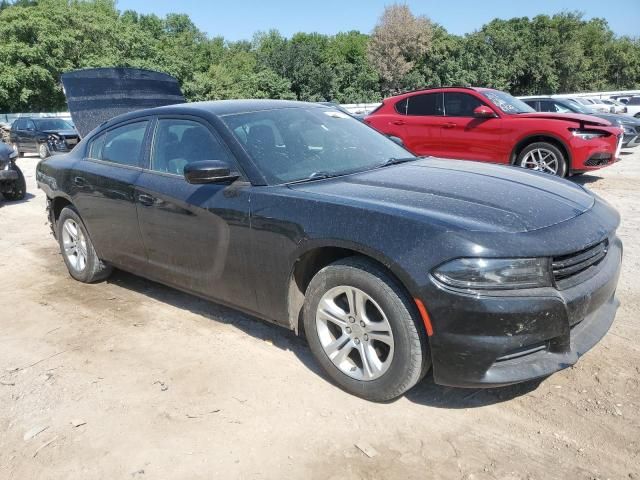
(389, 263)
(629, 125)
(12, 182)
(43, 135)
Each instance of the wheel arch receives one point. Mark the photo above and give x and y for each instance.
(310, 260)
(55, 207)
(542, 137)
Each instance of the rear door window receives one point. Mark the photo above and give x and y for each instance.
(121, 145)
(425, 104)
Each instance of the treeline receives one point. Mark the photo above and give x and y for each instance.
(40, 39)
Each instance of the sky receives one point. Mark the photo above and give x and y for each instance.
(239, 20)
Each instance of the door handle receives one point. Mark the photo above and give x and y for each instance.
(80, 182)
(146, 200)
(449, 125)
(398, 122)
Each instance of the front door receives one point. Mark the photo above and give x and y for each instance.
(196, 236)
(467, 137)
(27, 136)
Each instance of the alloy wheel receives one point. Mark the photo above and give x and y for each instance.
(75, 245)
(355, 333)
(541, 160)
(43, 151)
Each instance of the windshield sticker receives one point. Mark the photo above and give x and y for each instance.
(503, 105)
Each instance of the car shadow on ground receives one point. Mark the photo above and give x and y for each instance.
(585, 179)
(6, 203)
(425, 393)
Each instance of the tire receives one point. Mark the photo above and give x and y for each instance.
(74, 248)
(19, 187)
(407, 357)
(536, 156)
(17, 149)
(43, 151)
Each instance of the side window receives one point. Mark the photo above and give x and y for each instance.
(18, 124)
(95, 147)
(122, 145)
(547, 106)
(425, 104)
(532, 104)
(401, 106)
(457, 104)
(634, 101)
(177, 143)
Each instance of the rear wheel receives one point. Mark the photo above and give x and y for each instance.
(17, 149)
(364, 330)
(18, 188)
(543, 157)
(77, 250)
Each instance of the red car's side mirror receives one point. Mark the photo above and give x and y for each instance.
(483, 112)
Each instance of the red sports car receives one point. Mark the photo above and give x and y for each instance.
(492, 126)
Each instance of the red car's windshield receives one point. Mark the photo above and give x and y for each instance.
(505, 102)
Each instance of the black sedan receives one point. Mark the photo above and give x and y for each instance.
(388, 263)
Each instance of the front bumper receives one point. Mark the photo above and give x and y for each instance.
(488, 341)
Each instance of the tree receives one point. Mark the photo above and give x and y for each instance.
(397, 42)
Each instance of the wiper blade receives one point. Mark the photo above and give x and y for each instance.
(316, 176)
(396, 161)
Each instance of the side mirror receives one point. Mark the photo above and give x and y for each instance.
(208, 171)
(483, 112)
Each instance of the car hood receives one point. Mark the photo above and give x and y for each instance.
(570, 117)
(461, 195)
(616, 118)
(64, 133)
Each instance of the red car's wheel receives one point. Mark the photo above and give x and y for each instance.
(543, 157)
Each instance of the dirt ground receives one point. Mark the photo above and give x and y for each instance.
(128, 379)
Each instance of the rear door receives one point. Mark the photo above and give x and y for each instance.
(103, 185)
(467, 137)
(196, 236)
(422, 123)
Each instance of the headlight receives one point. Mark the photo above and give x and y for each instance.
(588, 134)
(495, 273)
(628, 130)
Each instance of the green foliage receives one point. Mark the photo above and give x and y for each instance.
(41, 39)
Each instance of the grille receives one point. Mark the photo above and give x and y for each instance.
(566, 267)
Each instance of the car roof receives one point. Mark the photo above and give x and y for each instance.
(217, 108)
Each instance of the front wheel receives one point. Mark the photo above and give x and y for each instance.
(364, 330)
(43, 151)
(543, 157)
(77, 250)
(18, 188)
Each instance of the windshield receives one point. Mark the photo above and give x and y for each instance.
(43, 124)
(292, 144)
(580, 108)
(506, 102)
